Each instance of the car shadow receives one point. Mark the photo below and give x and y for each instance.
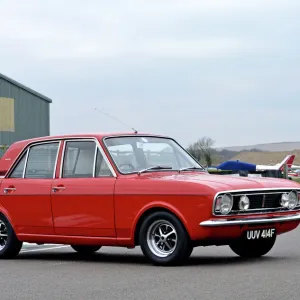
(139, 259)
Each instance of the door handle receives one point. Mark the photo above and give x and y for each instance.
(11, 189)
(58, 188)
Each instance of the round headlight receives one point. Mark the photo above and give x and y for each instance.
(224, 204)
(244, 203)
(293, 200)
(284, 202)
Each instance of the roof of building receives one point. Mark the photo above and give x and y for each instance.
(25, 88)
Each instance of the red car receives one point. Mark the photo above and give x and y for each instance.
(132, 189)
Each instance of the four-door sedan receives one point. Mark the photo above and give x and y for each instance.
(133, 189)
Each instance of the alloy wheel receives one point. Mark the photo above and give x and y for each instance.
(3, 235)
(162, 238)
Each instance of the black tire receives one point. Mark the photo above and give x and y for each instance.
(85, 250)
(189, 252)
(10, 246)
(252, 248)
(179, 250)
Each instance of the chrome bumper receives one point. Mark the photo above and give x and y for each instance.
(245, 221)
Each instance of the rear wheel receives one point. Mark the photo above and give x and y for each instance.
(86, 250)
(10, 246)
(164, 240)
(252, 248)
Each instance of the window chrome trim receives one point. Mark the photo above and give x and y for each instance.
(95, 161)
(56, 159)
(26, 153)
(241, 192)
(62, 160)
(25, 163)
(97, 146)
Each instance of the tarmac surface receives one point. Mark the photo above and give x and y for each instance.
(212, 273)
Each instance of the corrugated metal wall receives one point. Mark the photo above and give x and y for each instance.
(23, 114)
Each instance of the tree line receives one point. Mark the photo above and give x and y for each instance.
(203, 151)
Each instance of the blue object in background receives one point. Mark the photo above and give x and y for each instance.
(235, 165)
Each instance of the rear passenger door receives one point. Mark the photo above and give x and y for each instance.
(25, 193)
(82, 196)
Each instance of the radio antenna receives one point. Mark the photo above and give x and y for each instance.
(104, 113)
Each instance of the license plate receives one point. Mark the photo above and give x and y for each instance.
(257, 234)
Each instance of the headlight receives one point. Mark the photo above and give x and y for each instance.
(244, 203)
(290, 200)
(224, 204)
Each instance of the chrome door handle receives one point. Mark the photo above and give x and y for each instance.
(58, 188)
(6, 190)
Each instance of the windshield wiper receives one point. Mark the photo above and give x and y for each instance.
(154, 168)
(191, 168)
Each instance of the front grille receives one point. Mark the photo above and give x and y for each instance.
(260, 201)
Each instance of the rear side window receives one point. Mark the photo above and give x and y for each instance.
(38, 162)
(41, 161)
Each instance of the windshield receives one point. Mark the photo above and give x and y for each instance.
(136, 153)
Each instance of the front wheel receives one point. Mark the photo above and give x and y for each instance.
(252, 248)
(85, 250)
(164, 240)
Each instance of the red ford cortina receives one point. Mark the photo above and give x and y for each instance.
(130, 190)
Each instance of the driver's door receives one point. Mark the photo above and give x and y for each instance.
(82, 198)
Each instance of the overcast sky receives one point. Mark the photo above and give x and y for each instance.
(228, 69)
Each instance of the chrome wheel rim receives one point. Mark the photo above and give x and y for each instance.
(3, 235)
(162, 238)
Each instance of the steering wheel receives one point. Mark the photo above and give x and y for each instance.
(127, 166)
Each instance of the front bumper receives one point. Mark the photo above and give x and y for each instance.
(250, 220)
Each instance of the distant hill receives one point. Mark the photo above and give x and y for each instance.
(272, 147)
(266, 158)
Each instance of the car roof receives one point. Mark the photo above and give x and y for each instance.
(16, 148)
(83, 135)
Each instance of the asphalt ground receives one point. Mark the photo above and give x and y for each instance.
(212, 273)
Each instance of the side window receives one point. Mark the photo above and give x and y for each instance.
(102, 169)
(19, 169)
(41, 161)
(79, 159)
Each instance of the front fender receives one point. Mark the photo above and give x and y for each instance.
(157, 205)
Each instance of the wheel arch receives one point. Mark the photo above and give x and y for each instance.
(150, 210)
